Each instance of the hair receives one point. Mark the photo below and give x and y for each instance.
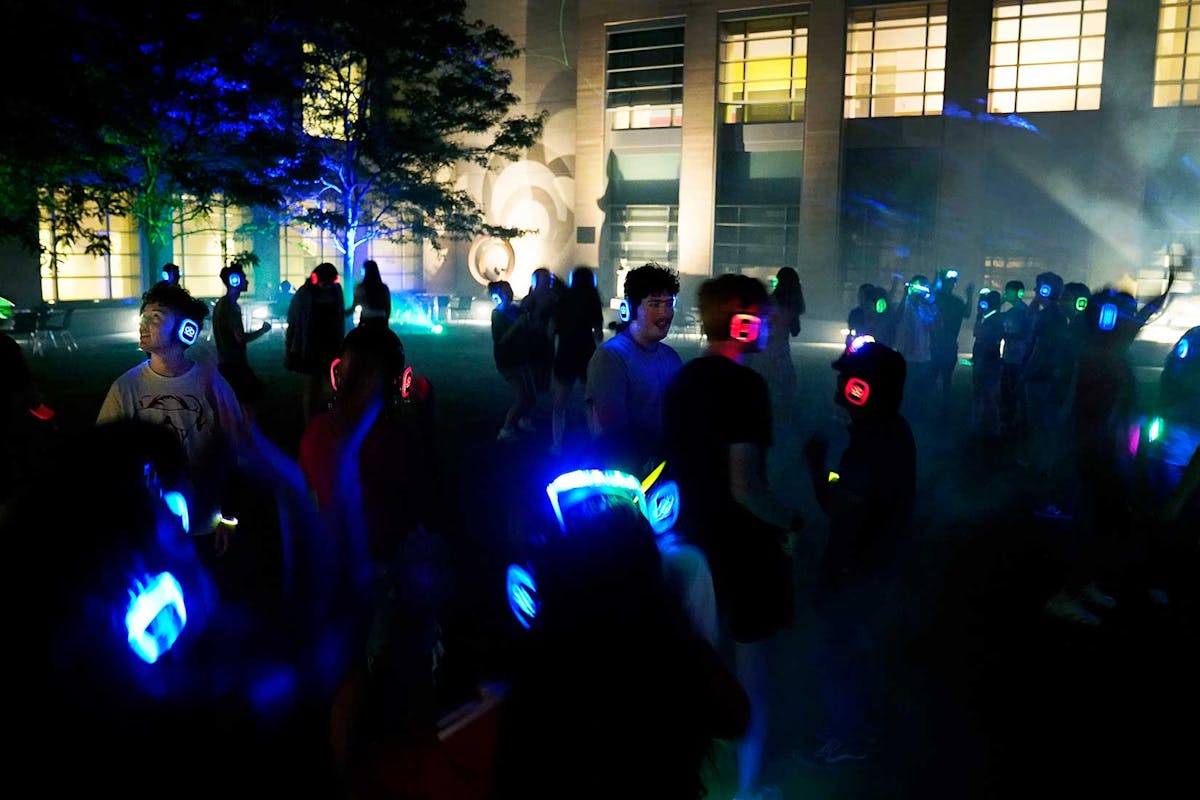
(378, 346)
(993, 297)
(648, 279)
(178, 299)
(543, 272)
(325, 272)
(371, 273)
(1016, 285)
(884, 369)
(1074, 289)
(789, 295)
(228, 270)
(725, 295)
(501, 287)
(1054, 281)
(171, 267)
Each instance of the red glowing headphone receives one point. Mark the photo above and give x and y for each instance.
(856, 391)
(404, 382)
(745, 327)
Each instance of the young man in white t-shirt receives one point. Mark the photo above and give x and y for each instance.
(190, 399)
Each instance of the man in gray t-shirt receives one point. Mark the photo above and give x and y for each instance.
(628, 375)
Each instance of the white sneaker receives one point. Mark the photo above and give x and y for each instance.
(1068, 609)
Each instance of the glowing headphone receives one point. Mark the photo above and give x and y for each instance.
(660, 507)
(1045, 289)
(1081, 303)
(1108, 317)
(188, 331)
(881, 305)
(857, 391)
(403, 383)
(235, 280)
(497, 298)
(571, 280)
(1181, 349)
(166, 276)
(745, 327)
(624, 311)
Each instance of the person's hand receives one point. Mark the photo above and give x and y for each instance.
(266, 326)
(222, 537)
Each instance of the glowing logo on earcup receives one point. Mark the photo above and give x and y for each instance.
(744, 327)
(155, 617)
(522, 595)
(406, 382)
(662, 506)
(1044, 290)
(189, 330)
(1108, 317)
(857, 391)
(235, 280)
(624, 312)
(1081, 303)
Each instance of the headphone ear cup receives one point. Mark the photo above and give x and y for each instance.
(333, 373)
(188, 331)
(624, 311)
(856, 392)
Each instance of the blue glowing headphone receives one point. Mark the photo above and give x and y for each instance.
(625, 311)
(571, 280)
(188, 331)
(155, 612)
(660, 507)
(166, 276)
(235, 280)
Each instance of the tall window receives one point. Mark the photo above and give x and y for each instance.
(638, 234)
(644, 76)
(1046, 56)
(764, 69)
(895, 61)
(301, 249)
(71, 274)
(1177, 58)
(756, 236)
(204, 244)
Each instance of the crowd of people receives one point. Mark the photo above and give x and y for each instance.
(647, 641)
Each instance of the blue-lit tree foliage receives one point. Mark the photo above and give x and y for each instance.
(154, 110)
(396, 96)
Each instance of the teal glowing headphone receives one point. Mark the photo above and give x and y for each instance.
(658, 503)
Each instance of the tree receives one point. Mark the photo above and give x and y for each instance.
(143, 109)
(396, 95)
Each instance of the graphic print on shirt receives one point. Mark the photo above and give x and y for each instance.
(183, 414)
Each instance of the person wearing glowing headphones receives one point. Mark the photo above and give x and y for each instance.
(231, 338)
(869, 499)
(628, 374)
(717, 418)
(190, 399)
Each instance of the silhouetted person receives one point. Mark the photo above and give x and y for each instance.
(612, 693)
(316, 325)
(169, 274)
(918, 320)
(985, 366)
(717, 419)
(231, 338)
(869, 498)
(577, 327)
(511, 354)
(1046, 381)
(372, 296)
(952, 310)
(1014, 347)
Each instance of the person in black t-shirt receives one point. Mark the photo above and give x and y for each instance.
(869, 500)
(717, 418)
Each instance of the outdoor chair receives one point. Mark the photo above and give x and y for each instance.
(55, 326)
(24, 327)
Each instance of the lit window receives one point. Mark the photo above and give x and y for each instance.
(204, 244)
(1177, 57)
(895, 61)
(68, 273)
(764, 69)
(756, 236)
(644, 76)
(638, 234)
(1046, 56)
